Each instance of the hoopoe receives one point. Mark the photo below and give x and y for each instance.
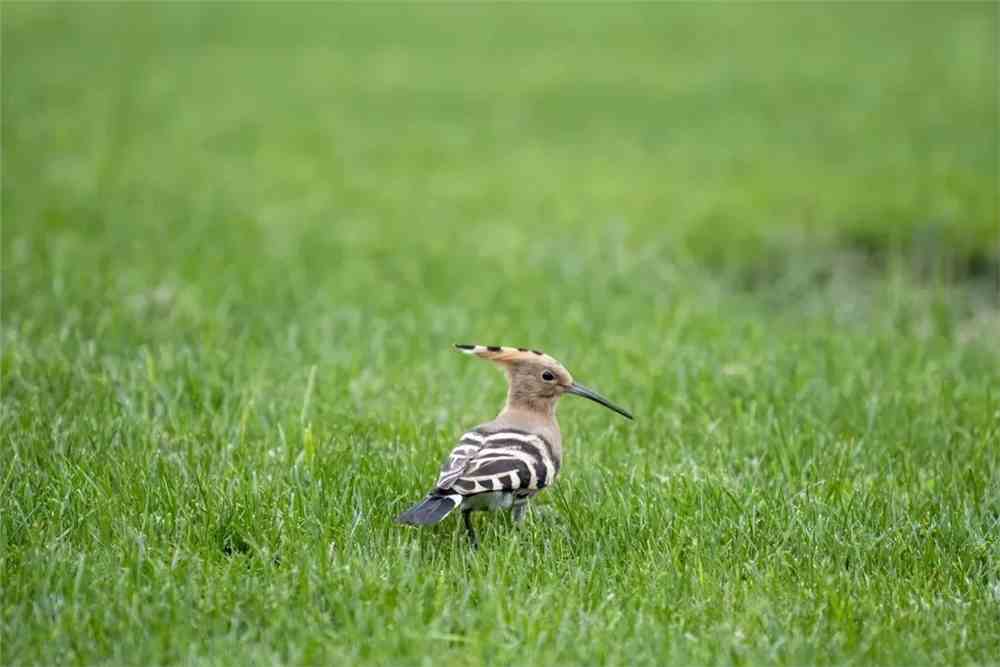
(503, 463)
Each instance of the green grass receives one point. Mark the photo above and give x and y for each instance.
(239, 242)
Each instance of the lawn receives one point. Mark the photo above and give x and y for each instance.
(239, 242)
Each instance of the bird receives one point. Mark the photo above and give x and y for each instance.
(503, 463)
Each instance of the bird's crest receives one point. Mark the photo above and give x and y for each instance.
(506, 354)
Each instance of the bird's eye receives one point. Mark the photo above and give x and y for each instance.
(548, 376)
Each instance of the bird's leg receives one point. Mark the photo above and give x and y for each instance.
(470, 531)
(517, 511)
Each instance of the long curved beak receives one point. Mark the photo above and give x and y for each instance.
(580, 390)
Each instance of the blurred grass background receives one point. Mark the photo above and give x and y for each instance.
(238, 241)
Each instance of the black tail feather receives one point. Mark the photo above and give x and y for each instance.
(430, 510)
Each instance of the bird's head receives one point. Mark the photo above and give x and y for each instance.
(536, 380)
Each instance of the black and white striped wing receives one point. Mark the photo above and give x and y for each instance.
(459, 459)
(508, 461)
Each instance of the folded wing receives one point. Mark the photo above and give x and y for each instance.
(504, 461)
(468, 446)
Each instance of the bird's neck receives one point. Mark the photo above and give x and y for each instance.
(532, 420)
(538, 407)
